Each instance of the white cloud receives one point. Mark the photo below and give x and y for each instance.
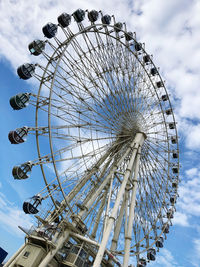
(189, 202)
(195, 258)
(191, 172)
(189, 132)
(180, 219)
(193, 138)
(11, 217)
(197, 246)
(171, 30)
(22, 21)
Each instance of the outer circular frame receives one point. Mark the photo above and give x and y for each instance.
(162, 105)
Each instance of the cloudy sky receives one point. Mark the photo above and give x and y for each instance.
(171, 32)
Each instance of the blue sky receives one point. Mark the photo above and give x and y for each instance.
(171, 32)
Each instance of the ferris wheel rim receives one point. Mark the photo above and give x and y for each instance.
(157, 97)
(94, 26)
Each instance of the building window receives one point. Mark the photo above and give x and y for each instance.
(26, 254)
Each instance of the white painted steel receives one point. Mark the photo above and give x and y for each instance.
(59, 243)
(128, 236)
(138, 141)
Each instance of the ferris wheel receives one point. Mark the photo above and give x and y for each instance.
(107, 147)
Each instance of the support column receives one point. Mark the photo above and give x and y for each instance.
(114, 167)
(13, 259)
(59, 243)
(126, 212)
(96, 224)
(63, 238)
(118, 227)
(139, 139)
(86, 178)
(92, 191)
(108, 203)
(128, 236)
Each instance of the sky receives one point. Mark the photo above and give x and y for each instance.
(171, 32)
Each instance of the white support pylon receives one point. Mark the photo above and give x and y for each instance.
(128, 236)
(138, 141)
(59, 243)
(13, 259)
(118, 227)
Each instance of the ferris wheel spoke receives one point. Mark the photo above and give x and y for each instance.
(155, 161)
(117, 92)
(120, 88)
(158, 147)
(105, 60)
(147, 184)
(90, 108)
(105, 79)
(88, 175)
(114, 76)
(159, 175)
(156, 202)
(96, 221)
(149, 167)
(154, 151)
(47, 158)
(85, 115)
(92, 79)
